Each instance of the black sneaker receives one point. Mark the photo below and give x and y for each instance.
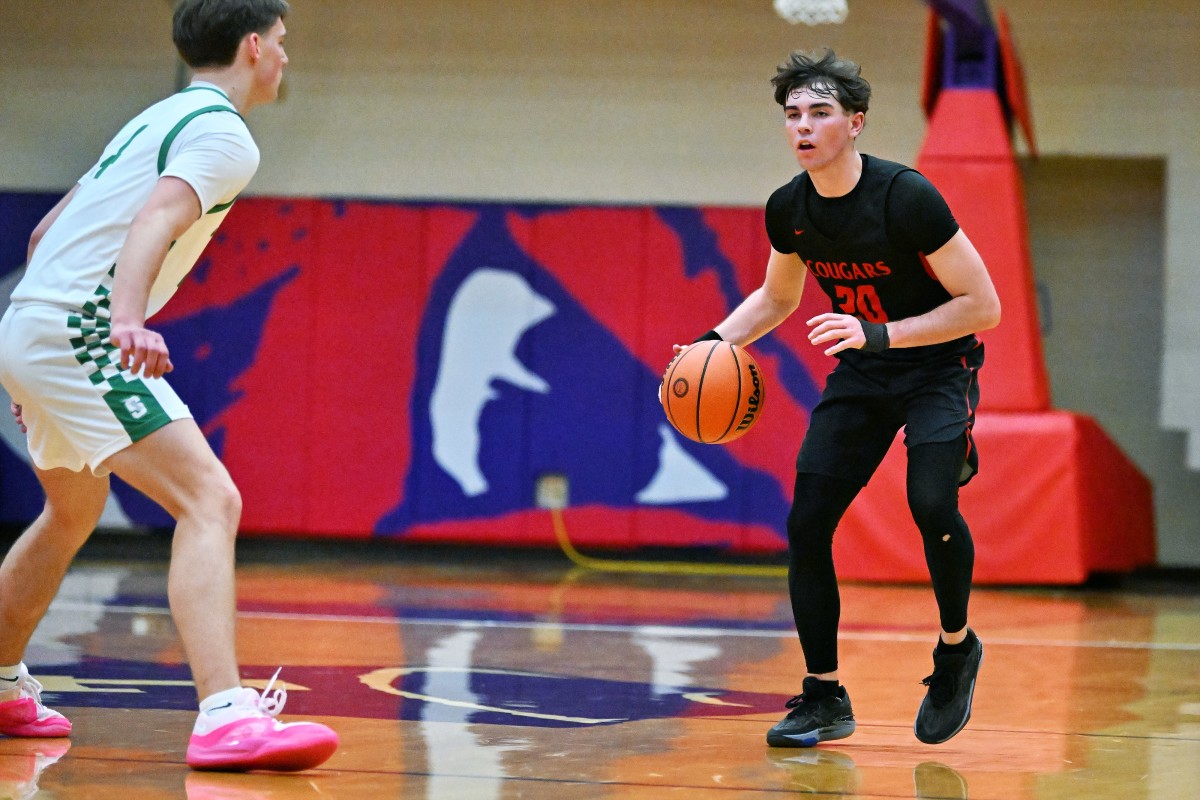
(814, 719)
(947, 705)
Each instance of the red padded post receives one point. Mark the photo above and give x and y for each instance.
(968, 156)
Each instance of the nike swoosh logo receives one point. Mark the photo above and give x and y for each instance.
(219, 708)
(798, 231)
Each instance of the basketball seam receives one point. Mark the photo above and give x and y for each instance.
(667, 384)
(700, 392)
(737, 403)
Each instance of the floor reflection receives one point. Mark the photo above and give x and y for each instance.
(22, 762)
(495, 680)
(934, 781)
(820, 771)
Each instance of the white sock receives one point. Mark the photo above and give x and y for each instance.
(215, 703)
(9, 675)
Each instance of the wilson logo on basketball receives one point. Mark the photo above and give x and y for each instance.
(679, 387)
(754, 401)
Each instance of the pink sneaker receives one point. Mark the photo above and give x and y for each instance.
(22, 712)
(246, 736)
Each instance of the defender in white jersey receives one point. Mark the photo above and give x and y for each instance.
(86, 378)
(56, 330)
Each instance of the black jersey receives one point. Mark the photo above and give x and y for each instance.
(867, 248)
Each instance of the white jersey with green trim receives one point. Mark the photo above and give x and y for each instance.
(195, 135)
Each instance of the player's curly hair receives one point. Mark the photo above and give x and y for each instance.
(207, 32)
(825, 75)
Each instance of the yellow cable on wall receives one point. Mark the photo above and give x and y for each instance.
(655, 567)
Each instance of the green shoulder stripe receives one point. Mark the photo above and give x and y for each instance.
(167, 142)
(213, 89)
(166, 145)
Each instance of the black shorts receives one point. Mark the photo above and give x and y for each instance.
(866, 401)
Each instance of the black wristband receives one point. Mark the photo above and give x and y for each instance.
(711, 336)
(877, 337)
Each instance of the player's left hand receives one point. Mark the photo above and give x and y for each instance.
(846, 331)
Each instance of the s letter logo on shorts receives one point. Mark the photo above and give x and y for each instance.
(136, 408)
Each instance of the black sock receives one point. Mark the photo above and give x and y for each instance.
(962, 648)
(816, 688)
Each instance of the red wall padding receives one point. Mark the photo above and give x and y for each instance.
(315, 341)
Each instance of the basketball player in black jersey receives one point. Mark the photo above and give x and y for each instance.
(909, 292)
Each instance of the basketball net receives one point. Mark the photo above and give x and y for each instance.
(812, 12)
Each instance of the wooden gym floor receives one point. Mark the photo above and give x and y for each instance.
(478, 675)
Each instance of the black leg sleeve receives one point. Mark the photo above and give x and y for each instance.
(818, 503)
(933, 472)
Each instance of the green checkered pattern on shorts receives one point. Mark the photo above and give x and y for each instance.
(131, 401)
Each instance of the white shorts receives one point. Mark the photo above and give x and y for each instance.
(79, 406)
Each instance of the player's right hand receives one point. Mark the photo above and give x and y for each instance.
(142, 350)
(16, 412)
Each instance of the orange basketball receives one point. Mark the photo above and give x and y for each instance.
(712, 392)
